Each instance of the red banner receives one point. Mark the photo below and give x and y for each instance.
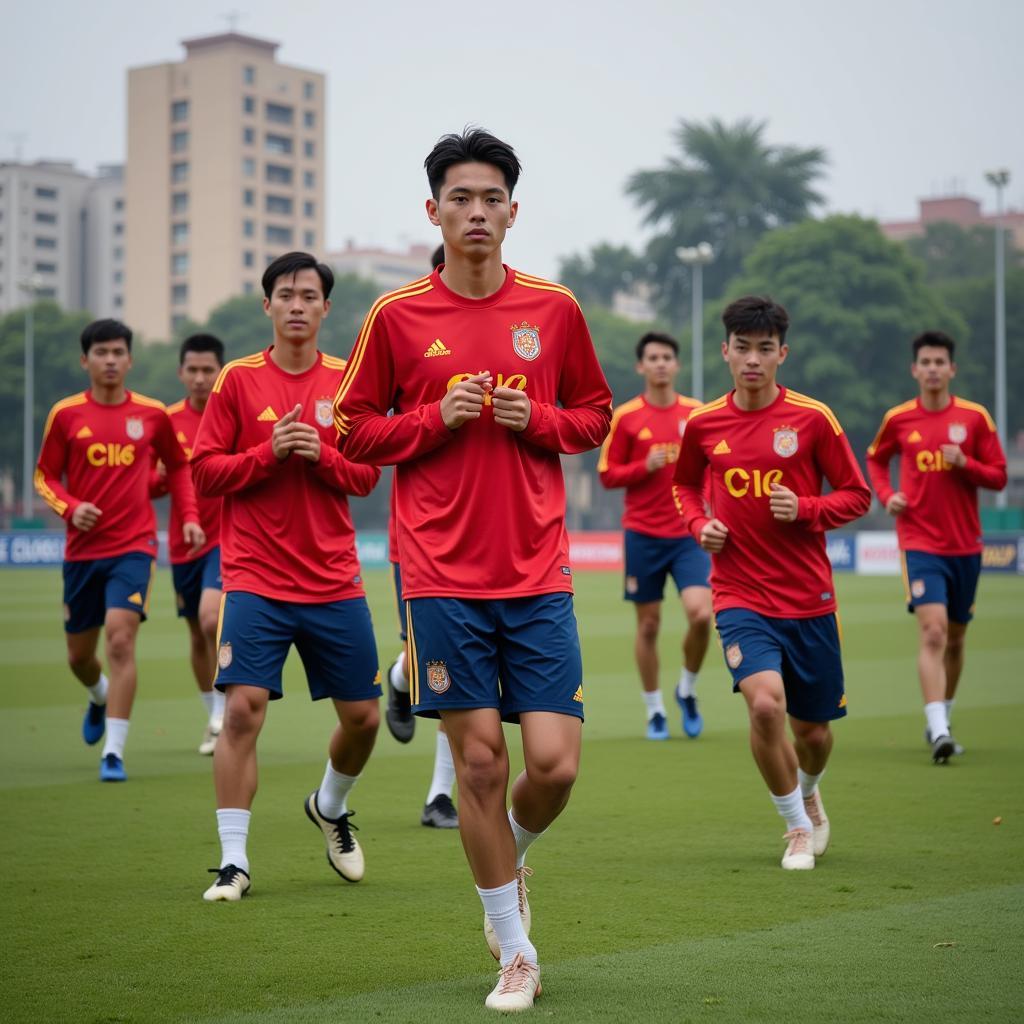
(593, 549)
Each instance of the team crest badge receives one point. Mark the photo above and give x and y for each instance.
(224, 655)
(324, 412)
(958, 433)
(134, 428)
(437, 676)
(733, 656)
(526, 340)
(917, 588)
(785, 442)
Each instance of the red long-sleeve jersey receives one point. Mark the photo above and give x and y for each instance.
(104, 453)
(286, 532)
(774, 568)
(637, 427)
(941, 516)
(480, 509)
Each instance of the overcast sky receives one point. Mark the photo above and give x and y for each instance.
(909, 98)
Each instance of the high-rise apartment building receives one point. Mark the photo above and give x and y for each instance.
(225, 171)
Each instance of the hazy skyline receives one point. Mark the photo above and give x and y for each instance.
(906, 98)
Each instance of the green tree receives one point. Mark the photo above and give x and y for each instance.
(728, 187)
(596, 276)
(952, 253)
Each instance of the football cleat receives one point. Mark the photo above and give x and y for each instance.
(344, 853)
(95, 723)
(232, 884)
(693, 721)
(440, 813)
(112, 769)
(518, 986)
(209, 742)
(799, 855)
(819, 819)
(943, 748)
(524, 913)
(400, 720)
(657, 727)
(957, 749)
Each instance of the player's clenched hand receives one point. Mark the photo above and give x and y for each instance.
(465, 401)
(783, 503)
(161, 470)
(712, 535)
(282, 438)
(194, 537)
(656, 458)
(896, 504)
(85, 516)
(954, 455)
(306, 440)
(512, 408)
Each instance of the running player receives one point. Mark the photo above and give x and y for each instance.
(640, 454)
(268, 446)
(768, 450)
(493, 374)
(196, 578)
(93, 471)
(948, 448)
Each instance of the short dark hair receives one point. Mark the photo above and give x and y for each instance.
(473, 146)
(437, 258)
(655, 337)
(202, 343)
(756, 314)
(933, 339)
(290, 264)
(105, 330)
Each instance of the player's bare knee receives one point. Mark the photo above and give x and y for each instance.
(484, 770)
(558, 776)
(363, 720)
(934, 636)
(648, 627)
(208, 626)
(766, 710)
(120, 646)
(815, 735)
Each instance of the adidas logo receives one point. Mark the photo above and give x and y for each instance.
(136, 598)
(182, 439)
(84, 432)
(645, 434)
(268, 416)
(437, 349)
(722, 448)
(914, 436)
(578, 695)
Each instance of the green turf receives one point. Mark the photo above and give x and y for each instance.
(657, 896)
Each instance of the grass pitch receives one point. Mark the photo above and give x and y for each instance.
(657, 896)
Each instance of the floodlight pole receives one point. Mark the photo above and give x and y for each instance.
(999, 179)
(695, 256)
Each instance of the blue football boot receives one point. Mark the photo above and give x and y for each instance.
(112, 769)
(95, 723)
(657, 727)
(693, 722)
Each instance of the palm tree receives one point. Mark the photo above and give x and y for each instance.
(728, 187)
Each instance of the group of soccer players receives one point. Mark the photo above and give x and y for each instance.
(473, 382)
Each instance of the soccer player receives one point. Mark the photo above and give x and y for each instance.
(196, 577)
(768, 450)
(93, 471)
(948, 448)
(640, 454)
(267, 446)
(492, 375)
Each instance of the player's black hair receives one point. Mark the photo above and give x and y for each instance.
(290, 264)
(437, 258)
(933, 339)
(474, 145)
(756, 314)
(202, 343)
(105, 330)
(655, 337)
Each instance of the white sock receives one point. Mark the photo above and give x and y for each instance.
(687, 686)
(233, 829)
(398, 680)
(808, 783)
(655, 705)
(444, 769)
(117, 734)
(791, 807)
(207, 699)
(332, 796)
(98, 690)
(938, 723)
(523, 839)
(949, 710)
(217, 714)
(501, 906)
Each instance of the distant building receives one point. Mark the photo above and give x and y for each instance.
(635, 303)
(960, 210)
(104, 243)
(225, 171)
(387, 269)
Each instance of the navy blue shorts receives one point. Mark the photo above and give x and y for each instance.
(396, 575)
(334, 640)
(192, 578)
(517, 654)
(650, 559)
(805, 652)
(93, 587)
(951, 580)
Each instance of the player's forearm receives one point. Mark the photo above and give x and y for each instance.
(183, 495)
(991, 477)
(216, 474)
(878, 473)
(348, 477)
(624, 474)
(828, 511)
(689, 499)
(53, 492)
(388, 440)
(567, 431)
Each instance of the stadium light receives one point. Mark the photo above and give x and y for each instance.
(32, 286)
(695, 257)
(1000, 179)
